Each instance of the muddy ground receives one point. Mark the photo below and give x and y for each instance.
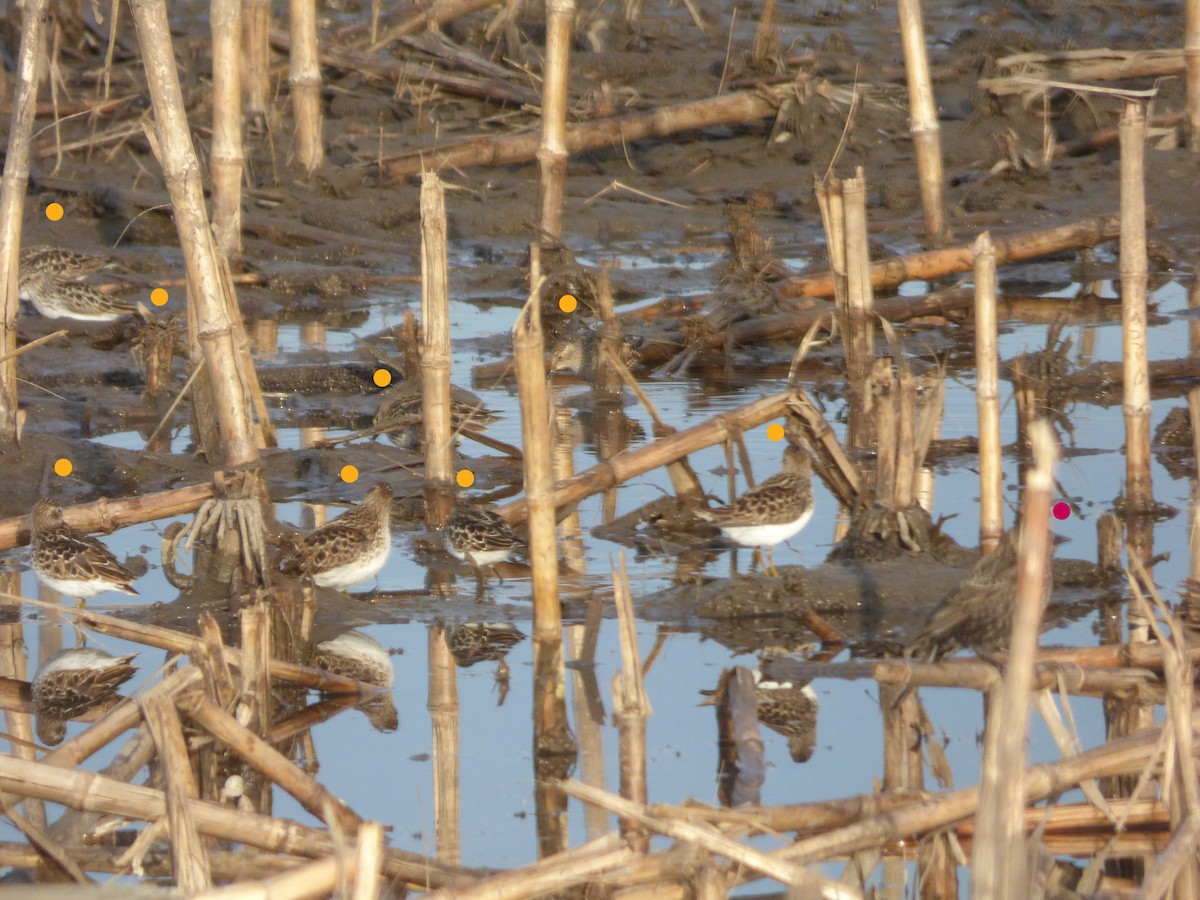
(996, 179)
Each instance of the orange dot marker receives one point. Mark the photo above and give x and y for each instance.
(775, 432)
(349, 474)
(159, 296)
(62, 467)
(567, 303)
(382, 377)
(54, 211)
(465, 478)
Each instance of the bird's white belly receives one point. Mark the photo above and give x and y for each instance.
(365, 567)
(766, 535)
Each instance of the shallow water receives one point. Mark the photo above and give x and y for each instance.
(388, 776)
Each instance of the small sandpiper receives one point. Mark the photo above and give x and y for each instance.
(476, 642)
(49, 279)
(578, 354)
(479, 537)
(402, 411)
(71, 562)
(349, 550)
(73, 682)
(771, 512)
(978, 613)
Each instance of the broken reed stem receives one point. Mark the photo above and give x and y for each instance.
(443, 717)
(1191, 63)
(907, 459)
(188, 853)
(998, 861)
(860, 297)
(304, 79)
(96, 793)
(435, 349)
(256, 54)
(264, 758)
(227, 159)
(631, 708)
(551, 733)
(631, 463)
(214, 324)
(924, 121)
(552, 152)
(711, 840)
(12, 204)
(987, 396)
(882, 388)
(1136, 392)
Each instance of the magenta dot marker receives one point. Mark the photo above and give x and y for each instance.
(1061, 510)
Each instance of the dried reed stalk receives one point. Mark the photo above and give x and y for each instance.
(746, 106)
(435, 350)
(320, 878)
(264, 758)
(256, 54)
(882, 405)
(1191, 65)
(933, 264)
(998, 861)
(368, 859)
(579, 865)
(552, 152)
(435, 14)
(444, 717)
(88, 791)
(106, 515)
(924, 127)
(188, 853)
(860, 298)
(631, 709)
(12, 204)
(208, 304)
(17, 721)
(713, 841)
(304, 79)
(1136, 393)
(632, 463)
(227, 160)
(987, 396)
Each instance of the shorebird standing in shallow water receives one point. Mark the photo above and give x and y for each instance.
(350, 549)
(772, 512)
(71, 562)
(479, 537)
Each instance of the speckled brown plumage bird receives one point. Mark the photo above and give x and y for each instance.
(350, 549)
(978, 613)
(73, 682)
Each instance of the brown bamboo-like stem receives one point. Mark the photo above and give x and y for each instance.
(437, 13)
(256, 47)
(444, 716)
(631, 463)
(924, 121)
(738, 107)
(214, 324)
(933, 264)
(188, 853)
(1191, 63)
(987, 396)
(710, 839)
(1134, 267)
(17, 719)
(860, 299)
(882, 388)
(12, 204)
(997, 870)
(88, 791)
(552, 153)
(435, 349)
(631, 708)
(266, 759)
(553, 742)
(227, 160)
(106, 515)
(304, 79)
